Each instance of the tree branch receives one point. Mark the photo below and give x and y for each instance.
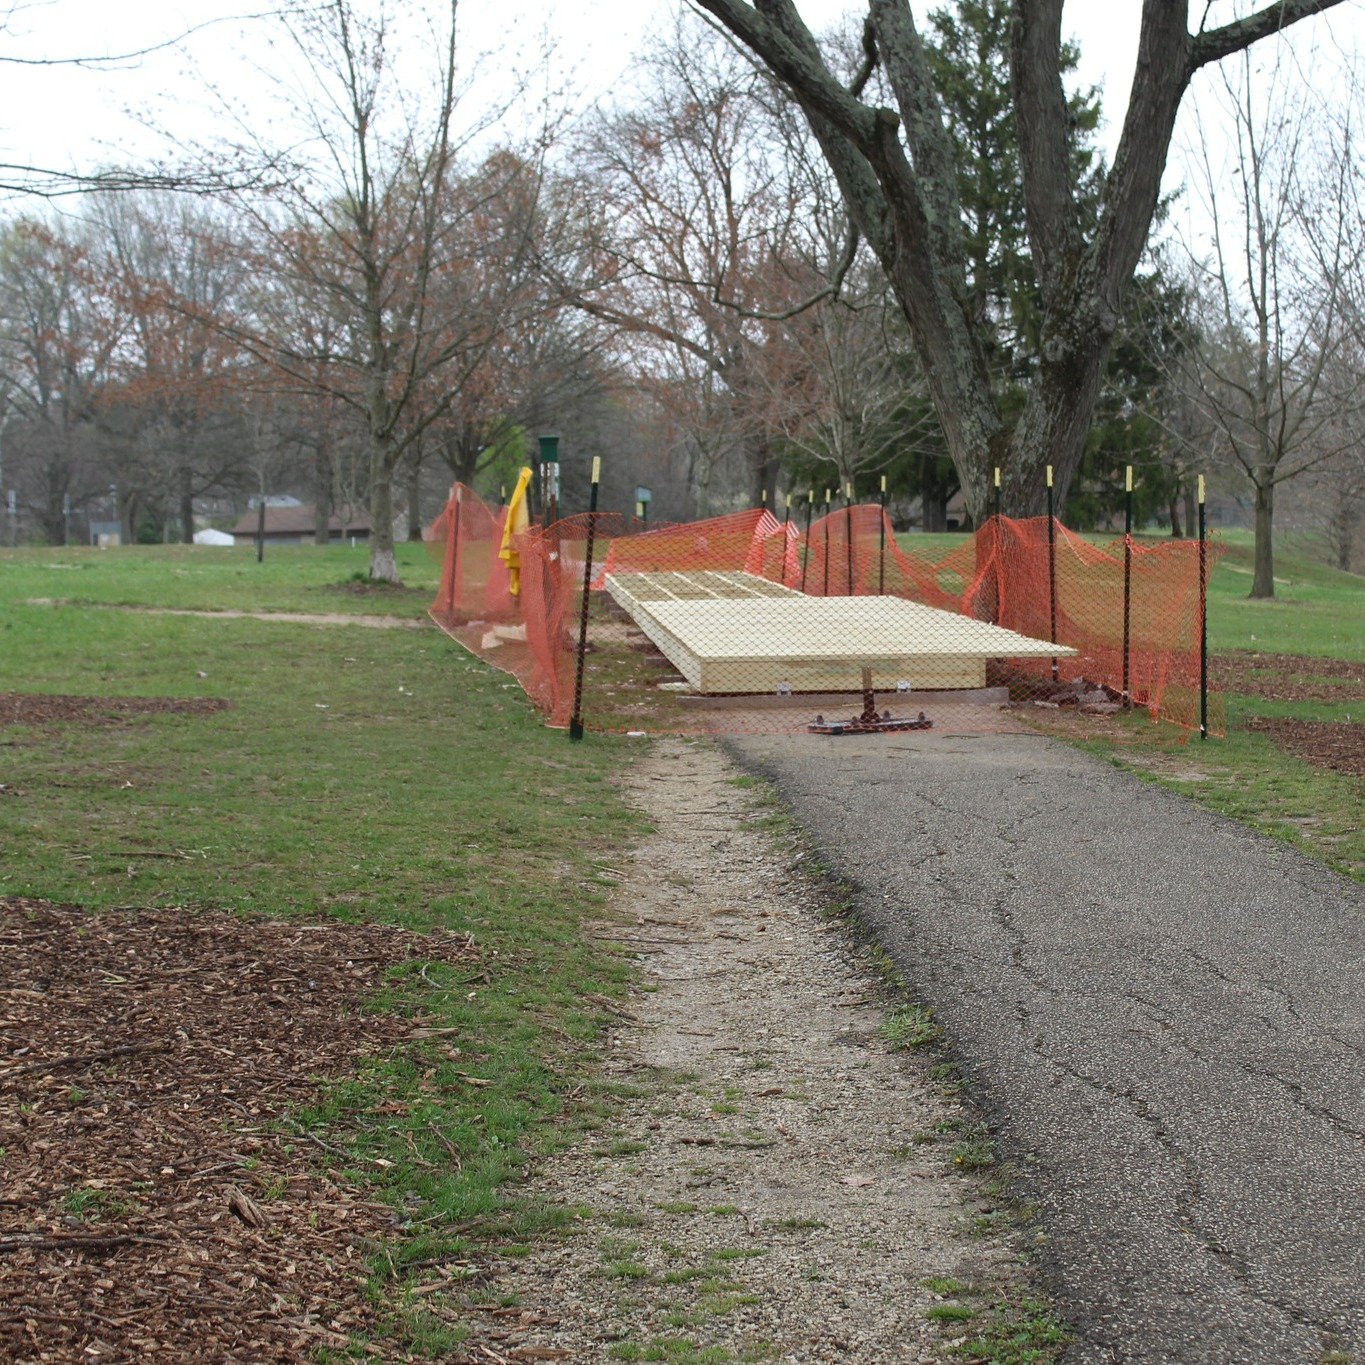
(1045, 160)
(1217, 43)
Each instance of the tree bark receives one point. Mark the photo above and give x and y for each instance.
(415, 494)
(1263, 581)
(898, 182)
(383, 564)
(322, 491)
(186, 506)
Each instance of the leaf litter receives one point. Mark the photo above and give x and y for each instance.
(153, 1206)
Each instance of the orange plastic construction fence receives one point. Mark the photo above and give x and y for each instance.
(745, 622)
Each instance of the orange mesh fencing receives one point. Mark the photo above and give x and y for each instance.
(745, 622)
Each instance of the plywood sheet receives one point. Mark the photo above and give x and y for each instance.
(733, 633)
(693, 585)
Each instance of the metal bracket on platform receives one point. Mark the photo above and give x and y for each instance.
(871, 721)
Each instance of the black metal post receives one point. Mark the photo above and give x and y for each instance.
(576, 720)
(1127, 582)
(1052, 565)
(848, 533)
(995, 551)
(805, 552)
(549, 454)
(260, 530)
(1203, 619)
(881, 549)
(786, 539)
(824, 592)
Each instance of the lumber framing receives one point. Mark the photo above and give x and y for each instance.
(734, 632)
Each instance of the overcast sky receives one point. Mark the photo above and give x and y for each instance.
(67, 117)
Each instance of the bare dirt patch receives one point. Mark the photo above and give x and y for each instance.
(35, 708)
(1335, 744)
(774, 1177)
(1288, 677)
(152, 1207)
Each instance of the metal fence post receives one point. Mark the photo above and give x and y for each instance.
(881, 550)
(824, 591)
(848, 534)
(805, 552)
(1203, 618)
(995, 548)
(1127, 581)
(576, 720)
(1052, 566)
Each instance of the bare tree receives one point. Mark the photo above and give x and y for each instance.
(46, 182)
(57, 347)
(164, 269)
(1275, 288)
(415, 263)
(708, 225)
(898, 174)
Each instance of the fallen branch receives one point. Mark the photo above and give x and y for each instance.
(84, 1059)
(39, 1241)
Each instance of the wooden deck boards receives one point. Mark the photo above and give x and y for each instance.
(735, 632)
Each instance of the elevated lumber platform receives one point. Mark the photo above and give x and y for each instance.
(733, 632)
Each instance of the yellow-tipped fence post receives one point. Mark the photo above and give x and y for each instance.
(881, 552)
(1052, 565)
(576, 720)
(1127, 579)
(1203, 617)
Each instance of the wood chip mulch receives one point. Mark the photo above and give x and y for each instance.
(149, 1206)
(35, 708)
(1335, 744)
(1288, 677)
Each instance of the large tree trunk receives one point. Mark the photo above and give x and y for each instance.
(186, 506)
(896, 171)
(415, 495)
(383, 565)
(1263, 582)
(322, 492)
(764, 467)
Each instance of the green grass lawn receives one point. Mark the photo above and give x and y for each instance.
(1315, 610)
(290, 578)
(358, 773)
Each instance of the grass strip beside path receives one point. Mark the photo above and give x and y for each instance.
(357, 774)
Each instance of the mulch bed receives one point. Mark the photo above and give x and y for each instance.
(1335, 744)
(1288, 677)
(148, 1207)
(1338, 745)
(32, 708)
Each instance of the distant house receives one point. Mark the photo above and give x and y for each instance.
(294, 526)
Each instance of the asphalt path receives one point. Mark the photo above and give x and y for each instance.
(1162, 1012)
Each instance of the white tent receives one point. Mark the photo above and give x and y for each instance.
(212, 537)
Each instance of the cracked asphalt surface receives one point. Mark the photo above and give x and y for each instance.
(1162, 1012)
